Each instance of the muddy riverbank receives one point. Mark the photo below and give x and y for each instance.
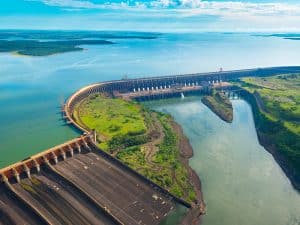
(193, 216)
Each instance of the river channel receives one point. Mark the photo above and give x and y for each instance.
(242, 183)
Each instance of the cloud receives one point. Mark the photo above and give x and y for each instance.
(208, 15)
(187, 7)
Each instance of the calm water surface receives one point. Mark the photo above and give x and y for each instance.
(242, 184)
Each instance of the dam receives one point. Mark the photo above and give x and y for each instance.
(76, 181)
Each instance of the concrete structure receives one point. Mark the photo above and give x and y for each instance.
(150, 84)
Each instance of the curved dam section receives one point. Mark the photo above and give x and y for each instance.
(173, 83)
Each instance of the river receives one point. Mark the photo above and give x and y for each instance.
(242, 184)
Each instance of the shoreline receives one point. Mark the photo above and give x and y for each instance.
(268, 144)
(193, 216)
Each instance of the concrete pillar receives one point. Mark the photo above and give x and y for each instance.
(139, 89)
(87, 146)
(54, 158)
(4, 178)
(46, 160)
(133, 89)
(16, 175)
(27, 170)
(63, 154)
(71, 151)
(37, 166)
(143, 89)
(78, 147)
(152, 88)
(169, 86)
(147, 88)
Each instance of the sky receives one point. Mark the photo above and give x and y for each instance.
(153, 15)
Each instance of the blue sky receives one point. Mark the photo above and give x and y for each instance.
(152, 15)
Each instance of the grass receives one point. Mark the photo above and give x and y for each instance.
(280, 96)
(126, 129)
(277, 115)
(110, 118)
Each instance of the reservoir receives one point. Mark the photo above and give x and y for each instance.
(241, 182)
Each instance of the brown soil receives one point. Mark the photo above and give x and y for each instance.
(193, 217)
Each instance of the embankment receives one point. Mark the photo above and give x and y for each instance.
(276, 139)
(193, 216)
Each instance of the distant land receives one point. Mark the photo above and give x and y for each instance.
(74, 35)
(290, 36)
(295, 39)
(44, 43)
(45, 48)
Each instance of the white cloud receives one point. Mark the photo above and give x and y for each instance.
(185, 14)
(187, 7)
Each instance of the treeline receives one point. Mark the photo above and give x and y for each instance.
(286, 143)
(130, 139)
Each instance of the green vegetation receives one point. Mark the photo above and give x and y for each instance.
(44, 43)
(143, 139)
(118, 123)
(220, 105)
(44, 48)
(277, 114)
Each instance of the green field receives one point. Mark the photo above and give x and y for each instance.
(277, 114)
(280, 96)
(111, 118)
(141, 138)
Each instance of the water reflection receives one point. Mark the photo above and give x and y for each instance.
(242, 183)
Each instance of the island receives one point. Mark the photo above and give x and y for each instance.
(45, 43)
(46, 48)
(220, 104)
(149, 142)
(275, 102)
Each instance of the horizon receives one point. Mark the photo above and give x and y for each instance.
(157, 32)
(155, 15)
